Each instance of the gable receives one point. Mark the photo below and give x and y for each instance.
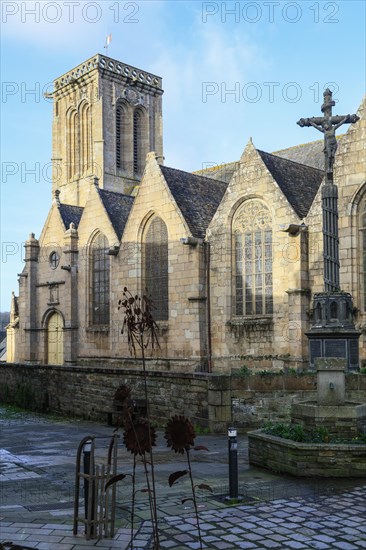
(197, 197)
(118, 208)
(299, 183)
(53, 229)
(70, 214)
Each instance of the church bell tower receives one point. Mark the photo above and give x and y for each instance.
(107, 116)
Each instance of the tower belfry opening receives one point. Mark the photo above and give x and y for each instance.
(107, 117)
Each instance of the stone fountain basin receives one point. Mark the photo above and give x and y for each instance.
(306, 459)
(342, 421)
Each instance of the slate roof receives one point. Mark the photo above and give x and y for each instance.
(310, 154)
(223, 172)
(70, 214)
(298, 182)
(197, 197)
(118, 207)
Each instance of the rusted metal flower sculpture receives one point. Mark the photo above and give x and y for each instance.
(138, 321)
(122, 394)
(139, 437)
(123, 405)
(180, 434)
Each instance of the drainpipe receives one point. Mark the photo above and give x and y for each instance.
(207, 252)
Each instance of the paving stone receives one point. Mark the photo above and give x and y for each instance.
(270, 543)
(184, 538)
(222, 545)
(324, 538)
(331, 522)
(346, 546)
(54, 546)
(231, 538)
(252, 536)
(295, 544)
(318, 545)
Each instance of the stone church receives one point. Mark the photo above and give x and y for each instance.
(231, 255)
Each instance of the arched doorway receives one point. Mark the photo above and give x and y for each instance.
(55, 339)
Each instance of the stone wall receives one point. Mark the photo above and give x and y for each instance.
(305, 459)
(211, 401)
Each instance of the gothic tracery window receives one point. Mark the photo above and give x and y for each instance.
(99, 281)
(156, 267)
(252, 232)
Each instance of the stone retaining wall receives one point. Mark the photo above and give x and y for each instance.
(211, 401)
(306, 459)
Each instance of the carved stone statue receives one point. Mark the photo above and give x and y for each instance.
(328, 125)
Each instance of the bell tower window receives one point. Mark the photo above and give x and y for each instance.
(137, 141)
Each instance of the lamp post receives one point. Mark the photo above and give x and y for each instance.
(233, 464)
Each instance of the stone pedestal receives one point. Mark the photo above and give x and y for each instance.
(331, 381)
(342, 419)
(333, 333)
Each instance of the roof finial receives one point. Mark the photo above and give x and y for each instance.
(57, 198)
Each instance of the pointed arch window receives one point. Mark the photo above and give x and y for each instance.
(252, 236)
(73, 145)
(120, 135)
(79, 141)
(85, 139)
(156, 267)
(137, 141)
(100, 281)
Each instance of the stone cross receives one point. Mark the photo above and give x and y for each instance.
(328, 124)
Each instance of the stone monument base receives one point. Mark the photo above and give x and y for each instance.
(343, 422)
(333, 333)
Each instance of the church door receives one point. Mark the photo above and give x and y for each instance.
(55, 340)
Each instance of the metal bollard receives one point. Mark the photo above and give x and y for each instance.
(88, 484)
(233, 465)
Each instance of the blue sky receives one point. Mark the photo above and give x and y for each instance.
(276, 56)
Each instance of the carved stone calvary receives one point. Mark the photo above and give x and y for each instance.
(333, 333)
(328, 124)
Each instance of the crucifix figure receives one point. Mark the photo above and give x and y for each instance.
(328, 124)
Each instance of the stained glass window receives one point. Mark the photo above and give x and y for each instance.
(100, 267)
(252, 227)
(156, 267)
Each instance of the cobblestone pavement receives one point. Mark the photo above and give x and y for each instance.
(37, 473)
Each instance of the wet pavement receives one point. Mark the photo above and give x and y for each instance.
(37, 475)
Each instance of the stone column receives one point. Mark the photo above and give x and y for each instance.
(31, 340)
(298, 295)
(330, 237)
(71, 335)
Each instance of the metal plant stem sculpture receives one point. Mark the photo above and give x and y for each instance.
(140, 437)
(180, 435)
